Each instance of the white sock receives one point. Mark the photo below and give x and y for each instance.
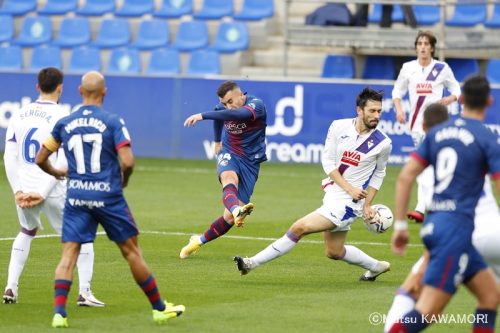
(278, 248)
(355, 256)
(425, 189)
(19, 255)
(85, 264)
(402, 304)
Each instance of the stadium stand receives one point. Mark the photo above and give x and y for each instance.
(427, 15)
(467, 15)
(58, 7)
(6, 28)
(493, 71)
(124, 61)
(45, 56)
(84, 59)
(494, 20)
(174, 8)
(135, 8)
(338, 66)
(231, 37)
(204, 62)
(379, 68)
(254, 10)
(35, 30)
(215, 9)
(191, 35)
(376, 14)
(113, 33)
(151, 34)
(18, 7)
(96, 7)
(463, 67)
(73, 31)
(164, 61)
(11, 58)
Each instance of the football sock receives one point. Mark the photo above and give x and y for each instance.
(19, 255)
(218, 228)
(61, 291)
(85, 265)
(355, 256)
(403, 303)
(484, 321)
(230, 197)
(413, 323)
(278, 248)
(151, 290)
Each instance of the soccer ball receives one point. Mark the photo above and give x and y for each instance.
(381, 221)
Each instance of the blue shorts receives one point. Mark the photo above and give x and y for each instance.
(247, 172)
(453, 258)
(82, 216)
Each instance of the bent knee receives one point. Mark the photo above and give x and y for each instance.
(335, 254)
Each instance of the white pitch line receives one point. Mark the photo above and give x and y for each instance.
(267, 239)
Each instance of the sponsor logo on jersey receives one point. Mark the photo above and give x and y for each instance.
(351, 158)
(424, 88)
(86, 203)
(86, 112)
(77, 184)
(443, 206)
(235, 128)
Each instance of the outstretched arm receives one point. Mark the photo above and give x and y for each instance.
(234, 114)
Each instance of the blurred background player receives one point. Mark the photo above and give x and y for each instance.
(240, 133)
(424, 80)
(97, 147)
(461, 150)
(35, 191)
(354, 158)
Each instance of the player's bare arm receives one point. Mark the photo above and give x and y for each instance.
(42, 160)
(126, 163)
(448, 100)
(400, 115)
(368, 211)
(354, 192)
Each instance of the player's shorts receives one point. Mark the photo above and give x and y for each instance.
(453, 258)
(82, 216)
(52, 207)
(341, 212)
(247, 172)
(486, 237)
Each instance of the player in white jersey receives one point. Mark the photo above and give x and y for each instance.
(35, 191)
(354, 158)
(424, 79)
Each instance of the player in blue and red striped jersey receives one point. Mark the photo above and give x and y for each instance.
(460, 151)
(100, 161)
(240, 133)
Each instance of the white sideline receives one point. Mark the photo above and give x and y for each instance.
(268, 239)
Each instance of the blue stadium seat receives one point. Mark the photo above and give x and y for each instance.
(494, 21)
(231, 37)
(18, 7)
(215, 9)
(124, 61)
(152, 34)
(164, 61)
(11, 58)
(463, 67)
(376, 14)
(191, 35)
(338, 66)
(493, 70)
(135, 8)
(254, 10)
(45, 56)
(204, 62)
(379, 68)
(35, 30)
(96, 7)
(427, 15)
(113, 33)
(467, 15)
(73, 31)
(84, 59)
(174, 8)
(6, 28)
(58, 7)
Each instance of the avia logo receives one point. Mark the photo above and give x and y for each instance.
(424, 88)
(351, 158)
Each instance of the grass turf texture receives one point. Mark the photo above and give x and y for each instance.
(301, 292)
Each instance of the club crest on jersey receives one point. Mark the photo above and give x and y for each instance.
(424, 87)
(370, 144)
(351, 157)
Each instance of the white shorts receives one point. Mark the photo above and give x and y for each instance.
(341, 212)
(52, 207)
(485, 239)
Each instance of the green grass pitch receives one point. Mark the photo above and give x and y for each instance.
(170, 199)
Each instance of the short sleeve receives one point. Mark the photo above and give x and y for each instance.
(56, 131)
(493, 155)
(121, 135)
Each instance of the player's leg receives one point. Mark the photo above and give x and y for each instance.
(483, 286)
(311, 223)
(29, 219)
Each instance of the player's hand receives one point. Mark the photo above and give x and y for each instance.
(400, 117)
(358, 193)
(192, 120)
(19, 197)
(447, 100)
(399, 240)
(368, 212)
(33, 199)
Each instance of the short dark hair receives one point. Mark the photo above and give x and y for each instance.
(435, 114)
(430, 36)
(49, 78)
(368, 94)
(475, 91)
(226, 87)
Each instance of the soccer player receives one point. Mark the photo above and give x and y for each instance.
(100, 162)
(460, 151)
(240, 133)
(36, 192)
(424, 80)
(354, 159)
